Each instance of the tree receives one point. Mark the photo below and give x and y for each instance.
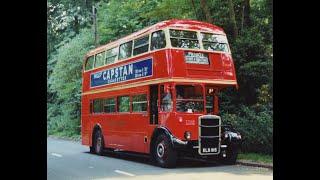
(195, 9)
(246, 13)
(65, 82)
(233, 19)
(206, 11)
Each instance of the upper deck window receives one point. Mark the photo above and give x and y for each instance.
(141, 45)
(89, 64)
(125, 50)
(111, 55)
(184, 39)
(99, 60)
(214, 42)
(158, 40)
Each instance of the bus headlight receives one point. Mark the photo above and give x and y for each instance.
(187, 135)
(225, 135)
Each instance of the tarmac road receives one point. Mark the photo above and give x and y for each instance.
(71, 160)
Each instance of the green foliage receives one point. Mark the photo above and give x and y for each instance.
(64, 22)
(170, 9)
(124, 104)
(256, 127)
(248, 47)
(265, 96)
(253, 75)
(65, 82)
(116, 22)
(256, 157)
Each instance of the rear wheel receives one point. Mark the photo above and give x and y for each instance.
(98, 143)
(163, 152)
(91, 149)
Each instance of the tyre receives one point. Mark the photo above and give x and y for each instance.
(92, 149)
(98, 143)
(163, 152)
(231, 155)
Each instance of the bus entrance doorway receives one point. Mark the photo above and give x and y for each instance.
(153, 104)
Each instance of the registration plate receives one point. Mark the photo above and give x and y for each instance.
(209, 150)
(196, 58)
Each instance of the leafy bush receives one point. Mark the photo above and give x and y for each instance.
(65, 83)
(255, 123)
(255, 127)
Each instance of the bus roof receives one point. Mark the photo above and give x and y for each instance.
(173, 23)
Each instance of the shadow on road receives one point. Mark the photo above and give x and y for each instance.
(185, 165)
(77, 163)
(185, 162)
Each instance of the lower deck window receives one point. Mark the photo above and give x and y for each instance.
(166, 102)
(124, 103)
(139, 103)
(109, 105)
(97, 108)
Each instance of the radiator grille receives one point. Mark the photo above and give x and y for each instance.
(209, 134)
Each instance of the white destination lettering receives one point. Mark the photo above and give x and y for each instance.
(130, 68)
(125, 71)
(116, 72)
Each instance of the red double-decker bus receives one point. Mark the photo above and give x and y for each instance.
(156, 92)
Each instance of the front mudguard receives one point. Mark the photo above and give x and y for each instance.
(230, 138)
(176, 143)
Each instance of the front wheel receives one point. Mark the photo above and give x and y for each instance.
(231, 155)
(163, 152)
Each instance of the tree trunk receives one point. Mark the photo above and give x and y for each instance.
(246, 13)
(194, 8)
(76, 24)
(94, 13)
(233, 20)
(206, 11)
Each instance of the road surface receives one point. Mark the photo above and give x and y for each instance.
(71, 160)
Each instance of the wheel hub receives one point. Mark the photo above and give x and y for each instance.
(98, 146)
(160, 150)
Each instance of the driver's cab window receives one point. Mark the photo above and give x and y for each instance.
(166, 103)
(189, 98)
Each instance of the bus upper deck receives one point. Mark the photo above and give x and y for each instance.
(169, 51)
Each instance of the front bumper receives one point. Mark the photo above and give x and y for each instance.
(191, 147)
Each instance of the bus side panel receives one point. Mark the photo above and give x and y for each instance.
(85, 122)
(132, 126)
(161, 64)
(229, 71)
(107, 122)
(150, 129)
(138, 123)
